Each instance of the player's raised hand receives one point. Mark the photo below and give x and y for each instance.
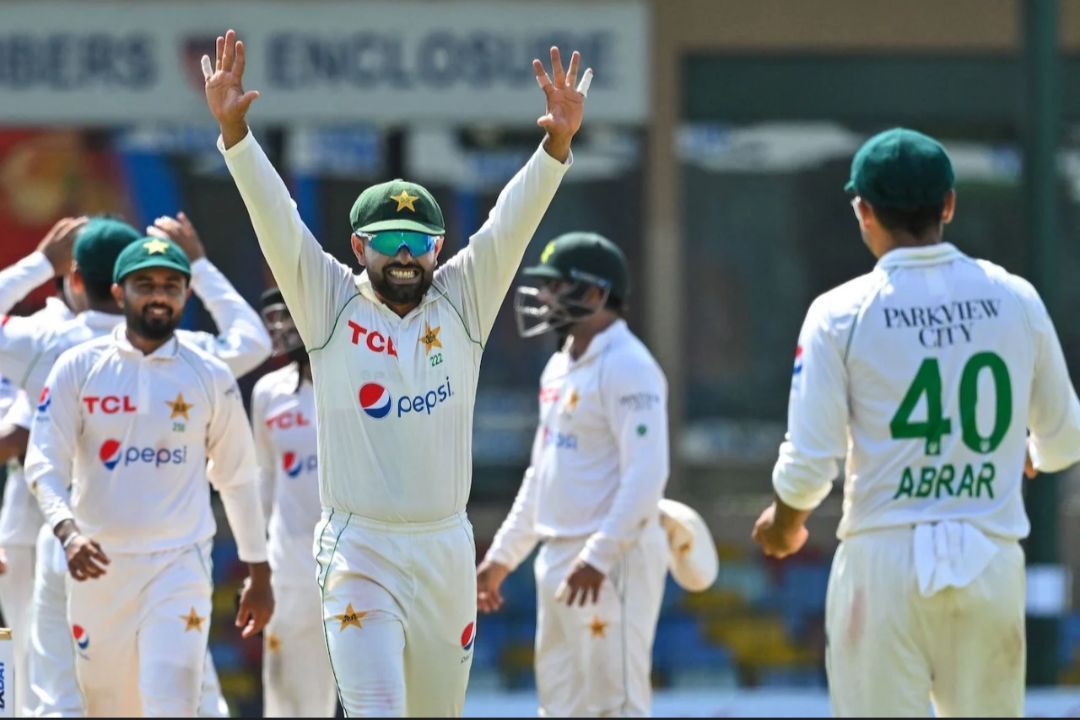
(489, 578)
(180, 230)
(565, 102)
(225, 90)
(58, 243)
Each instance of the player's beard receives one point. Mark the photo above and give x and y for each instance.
(401, 294)
(151, 327)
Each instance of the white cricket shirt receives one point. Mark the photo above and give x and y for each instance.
(600, 458)
(394, 395)
(927, 374)
(283, 420)
(136, 437)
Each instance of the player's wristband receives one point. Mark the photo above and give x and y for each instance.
(69, 540)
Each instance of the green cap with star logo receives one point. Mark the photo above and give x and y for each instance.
(397, 205)
(587, 257)
(151, 252)
(901, 168)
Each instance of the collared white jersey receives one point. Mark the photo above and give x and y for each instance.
(137, 437)
(927, 374)
(600, 458)
(394, 395)
(283, 419)
(29, 346)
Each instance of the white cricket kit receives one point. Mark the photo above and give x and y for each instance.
(20, 517)
(297, 681)
(927, 374)
(394, 399)
(600, 462)
(29, 347)
(17, 579)
(137, 436)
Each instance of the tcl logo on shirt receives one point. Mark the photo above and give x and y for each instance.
(288, 420)
(112, 452)
(294, 464)
(109, 404)
(375, 341)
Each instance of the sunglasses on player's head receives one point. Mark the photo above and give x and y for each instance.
(389, 242)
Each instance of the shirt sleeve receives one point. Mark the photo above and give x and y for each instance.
(264, 449)
(817, 432)
(20, 345)
(493, 255)
(21, 412)
(18, 280)
(231, 469)
(313, 283)
(634, 395)
(517, 535)
(1054, 413)
(54, 433)
(242, 341)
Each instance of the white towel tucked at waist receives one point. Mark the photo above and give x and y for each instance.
(950, 554)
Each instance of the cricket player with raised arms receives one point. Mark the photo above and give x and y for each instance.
(932, 376)
(395, 354)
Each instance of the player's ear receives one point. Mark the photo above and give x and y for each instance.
(118, 294)
(949, 208)
(358, 249)
(438, 245)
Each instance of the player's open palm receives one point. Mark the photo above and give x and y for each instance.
(565, 98)
(224, 82)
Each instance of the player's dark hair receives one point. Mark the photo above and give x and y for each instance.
(916, 221)
(98, 292)
(615, 304)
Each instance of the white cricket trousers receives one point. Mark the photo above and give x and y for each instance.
(144, 626)
(297, 681)
(16, 591)
(595, 660)
(399, 612)
(51, 662)
(52, 655)
(892, 652)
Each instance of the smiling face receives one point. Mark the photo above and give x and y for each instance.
(400, 280)
(153, 300)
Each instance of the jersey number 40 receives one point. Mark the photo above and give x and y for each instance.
(928, 382)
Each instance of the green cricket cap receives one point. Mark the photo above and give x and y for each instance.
(151, 252)
(901, 168)
(397, 205)
(587, 257)
(97, 246)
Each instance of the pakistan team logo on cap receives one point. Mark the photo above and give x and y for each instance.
(397, 205)
(405, 201)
